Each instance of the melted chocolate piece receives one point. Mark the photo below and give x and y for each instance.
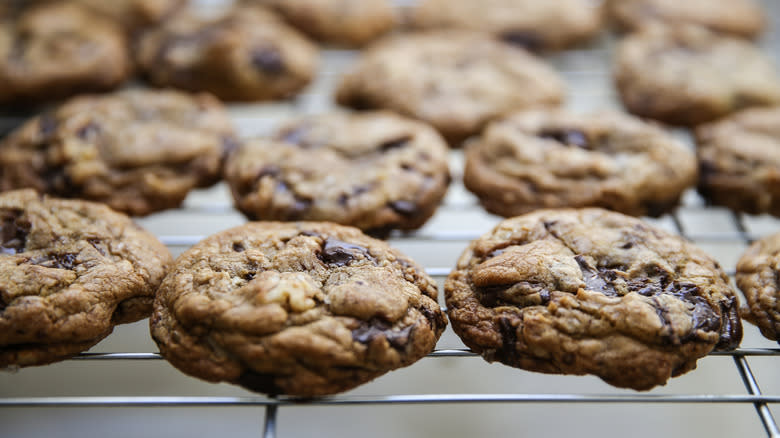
(597, 280)
(730, 326)
(395, 143)
(404, 208)
(338, 253)
(508, 338)
(13, 232)
(526, 39)
(56, 261)
(268, 60)
(368, 331)
(238, 247)
(568, 137)
(521, 294)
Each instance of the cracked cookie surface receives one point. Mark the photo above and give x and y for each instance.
(56, 50)
(457, 81)
(376, 171)
(304, 309)
(685, 75)
(549, 159)
(138, 151)
(739, 161)
(347, 22)
(757, 277)
(70, 271)
(533, 24)
(743, 18)
(591, 292)
(246, 54)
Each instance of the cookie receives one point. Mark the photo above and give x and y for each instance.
(757, 273)
(348, 22)
(246, 54)
(69, 271)
(549, 159)
(739, 161)
(56, 50)
(591, 292)
(686, 76)
(376, 171)
(135, 15)
(533, 24)
(455, 80)
(304, 309)
(742, 18)
(138, 151)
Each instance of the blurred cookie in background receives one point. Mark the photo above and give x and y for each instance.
(55, 50)
(139, 151)
(687, 75)
(457, 81)
(535, 25)
(245, 54)
(743, 18)
(346, 22)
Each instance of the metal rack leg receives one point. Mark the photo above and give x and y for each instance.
(269, 429)
(752, 387)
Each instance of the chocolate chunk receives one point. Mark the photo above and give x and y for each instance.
(13, 232)
(259, 382)
(730, 325)
(268, 60)
(404, 208)
(526, 39)
(338, 253)
(300, 204)
(56, 261)
(508, 338)
(368, 331)
(395, 143)
(238, 247)
(249, 276)
(520, 294)
(568, 137)
(597, 281)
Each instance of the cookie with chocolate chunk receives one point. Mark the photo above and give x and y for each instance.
(139, 151)
(744, 18)
(457, 81)
(533, 24)
(685, 75)
(69, 272)
(739, 161)
(246, 54)
(591, 292)
(346, 22)
(548, 159)
(58, 49)
(757, 274)
(376, 171)
(304, 309)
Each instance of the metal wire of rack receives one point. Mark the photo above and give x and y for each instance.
(587, 69)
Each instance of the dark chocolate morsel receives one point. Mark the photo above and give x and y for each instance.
(568, 137)
(404, 208)
(526, 39)
(13, 232)
(395, 143)
(268, 60)
(338, 253)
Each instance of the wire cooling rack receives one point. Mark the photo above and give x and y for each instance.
(36, 394)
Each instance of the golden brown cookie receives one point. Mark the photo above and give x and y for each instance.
(70, 271)
(304, 309)
(591, 292)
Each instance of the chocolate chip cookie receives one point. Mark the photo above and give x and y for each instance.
(757, 277)
(743, 18)
(70, 271)
(546, 159)
(739, 161)
(138, 151)
(56, 50)
(687, 75)
(348, 22)
(455, 80)
(304, 309)
(533, 24)
(245, 54)
(591, 292)
(376, 171)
